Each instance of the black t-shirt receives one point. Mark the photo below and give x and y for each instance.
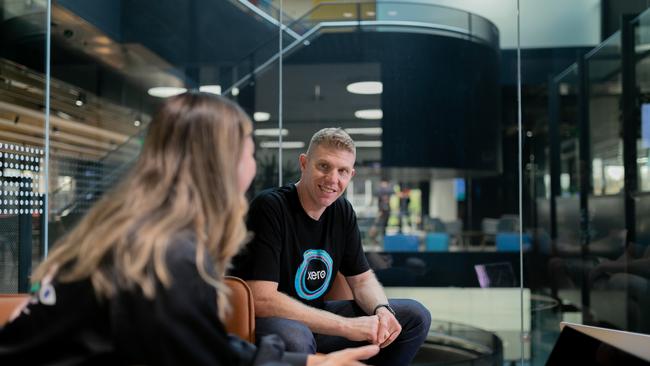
(67, 324)
(301, 254)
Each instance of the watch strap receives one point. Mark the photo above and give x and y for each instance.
(387, 306)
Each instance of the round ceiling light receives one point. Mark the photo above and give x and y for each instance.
(369, 114)
(261, 116)
(366, 87)
(165, 91)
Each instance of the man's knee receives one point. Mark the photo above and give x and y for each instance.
(412, 315)
(296, 336)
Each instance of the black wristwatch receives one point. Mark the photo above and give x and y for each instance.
(383, 306)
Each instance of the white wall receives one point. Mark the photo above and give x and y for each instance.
(544, 23)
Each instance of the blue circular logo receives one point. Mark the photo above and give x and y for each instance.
(308, 271)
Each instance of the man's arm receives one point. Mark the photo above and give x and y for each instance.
(368, 293)
(270, 302)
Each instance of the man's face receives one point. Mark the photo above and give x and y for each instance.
(325, 175)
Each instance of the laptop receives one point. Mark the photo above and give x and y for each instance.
(498, 274)
(588, 345)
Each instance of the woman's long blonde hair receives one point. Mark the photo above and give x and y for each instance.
(184, 181)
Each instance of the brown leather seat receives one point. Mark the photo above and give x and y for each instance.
(241, 320)
(9, 303)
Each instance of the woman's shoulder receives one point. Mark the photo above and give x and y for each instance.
(181, 255)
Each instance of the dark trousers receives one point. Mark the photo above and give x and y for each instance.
(412, 316)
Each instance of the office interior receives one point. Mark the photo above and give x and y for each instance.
(503, 146)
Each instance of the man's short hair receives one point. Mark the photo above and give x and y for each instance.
(334, 137)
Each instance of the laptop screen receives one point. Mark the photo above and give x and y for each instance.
(495, 275)
(577, 346)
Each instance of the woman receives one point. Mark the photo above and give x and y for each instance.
(135, 281)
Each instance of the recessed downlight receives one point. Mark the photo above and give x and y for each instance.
(285, 144)
(103, 50)
(165, 91)
(214, 89)
(366, 87)
(367, 144)
(369, 114)
(270, 132)
(261, 116)
(372, 131)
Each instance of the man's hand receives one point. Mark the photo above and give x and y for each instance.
(346, 357)
(363, 328)
(389, 327)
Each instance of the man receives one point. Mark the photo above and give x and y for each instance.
(304, 234)
(383, 205)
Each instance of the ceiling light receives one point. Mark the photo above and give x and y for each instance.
(235, 91)
(392, 13)
(347, 14)
(285, 144)
(370, 13)
(81, 100)
(63, 115)
(136, 123)
(261, 116)
(103, 50)
(214, 89)
(367, 143)
(270, 132)
(103, 40)
(366, 87)
(369, 114)
(18, 84)
(165, 91)
(364, 131)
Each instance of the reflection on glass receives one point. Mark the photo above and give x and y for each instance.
(590, 256)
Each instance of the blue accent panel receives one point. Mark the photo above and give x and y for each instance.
(509, 242)
(437, 242)
(401, 243)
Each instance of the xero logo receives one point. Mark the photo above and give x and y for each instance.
(316, 266)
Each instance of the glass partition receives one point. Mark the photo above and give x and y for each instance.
(22, 140)
(112, 64)
(590, 227)
(503, 201)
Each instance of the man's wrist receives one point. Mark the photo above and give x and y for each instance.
(385, 307)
